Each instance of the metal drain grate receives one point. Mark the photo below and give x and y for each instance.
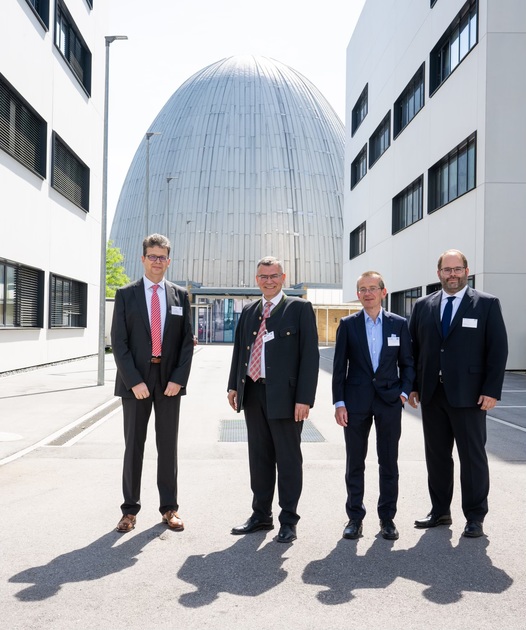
(236, 431)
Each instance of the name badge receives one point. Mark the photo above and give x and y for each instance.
(393, 341)
(268, 337)
(469, 323)
(177, 310)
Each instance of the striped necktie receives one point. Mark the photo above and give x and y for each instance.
(156, 322)
(254, 370)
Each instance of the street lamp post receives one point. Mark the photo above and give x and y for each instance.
(168, 180)
(104, 214)
(148, 135)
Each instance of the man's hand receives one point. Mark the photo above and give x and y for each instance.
(301, 412)
(172, 389)
(232, 398)
(140, 391)
(414, 399)
(340, 414)
(486, 402)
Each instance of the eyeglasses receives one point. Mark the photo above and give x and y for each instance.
(274, 276)
(364, 290)
(447, 271)
(154, 258)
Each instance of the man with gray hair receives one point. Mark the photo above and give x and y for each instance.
(273, 378)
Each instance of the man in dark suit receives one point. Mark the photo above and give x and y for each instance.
(372, 373)
(460, 347)
(273, 378)
(152, 343)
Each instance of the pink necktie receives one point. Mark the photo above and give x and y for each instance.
(254, 370)
(156, 322)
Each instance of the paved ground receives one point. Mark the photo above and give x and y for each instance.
(64, 566)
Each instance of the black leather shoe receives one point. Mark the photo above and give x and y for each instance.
(388, 529)
(287, 533)
(473, 529)
(252, 525)
(432, 520)
(353, 529)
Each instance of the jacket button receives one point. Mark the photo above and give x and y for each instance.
(248, 347)
(288, 333)
(254, 333)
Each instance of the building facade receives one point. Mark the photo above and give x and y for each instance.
(51, 134)
(435, 159)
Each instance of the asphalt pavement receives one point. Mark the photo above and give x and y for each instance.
(63, 565)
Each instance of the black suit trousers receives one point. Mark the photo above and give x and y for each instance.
(272, 444)
(388, 424)
(444, 425)
(136, 416)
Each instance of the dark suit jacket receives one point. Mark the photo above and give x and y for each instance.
(472, 358)
(132, 343)
(353, 379)
(291, 359)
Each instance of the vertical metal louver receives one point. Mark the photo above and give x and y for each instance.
(70, 176)
(21, 296)
(22, 131)
(68, 303)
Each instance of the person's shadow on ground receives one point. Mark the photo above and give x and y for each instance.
(446, 571)
(242, 569)
(98, 559)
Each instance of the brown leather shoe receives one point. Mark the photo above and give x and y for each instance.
(127, 523)
(171, 518)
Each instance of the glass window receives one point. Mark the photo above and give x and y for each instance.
(21, 296)
(408, 206)
(410, 102)
(68, 303)
(454, 175)
(454, 45)
(41, 9)
(402, 302)
(22, 131)
(70, 176)
(380, 141)
(359, 167)
(70, 43)
(357, 241)
(359, 111)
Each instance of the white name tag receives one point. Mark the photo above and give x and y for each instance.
(177, 310)
(268, 337)
(393, 341)
(469, 323)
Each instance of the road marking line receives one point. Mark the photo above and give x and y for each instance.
(508, 424)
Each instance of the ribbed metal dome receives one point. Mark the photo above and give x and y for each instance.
(246, 161)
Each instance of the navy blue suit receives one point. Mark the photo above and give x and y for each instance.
(369, 394)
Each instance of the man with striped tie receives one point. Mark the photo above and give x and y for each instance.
(152, 343)
(273, 378)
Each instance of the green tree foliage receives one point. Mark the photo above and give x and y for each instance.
(115, 276)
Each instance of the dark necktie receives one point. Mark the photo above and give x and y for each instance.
(254, 370)
(446, 316)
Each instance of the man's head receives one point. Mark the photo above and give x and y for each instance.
(370, 289)
(452, 271)
(156, 256)
(270, 276)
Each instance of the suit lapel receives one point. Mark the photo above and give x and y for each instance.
(387, 327)
(462, 308)
(435, 308)
(361, 333)
(141, 301)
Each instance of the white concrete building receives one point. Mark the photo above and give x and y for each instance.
(51, 133)
(435, 149)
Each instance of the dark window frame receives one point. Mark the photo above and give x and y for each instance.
(67, 169)
(357, 241)
(377, 144)
(402, 302)
(360, 110)
(404, 212)
(68, 302)
(466, 21)
(358, 172)
(27, 302)
(72, 47)
(41, 10)
(413, 90)
(23, 132)
(446, 178)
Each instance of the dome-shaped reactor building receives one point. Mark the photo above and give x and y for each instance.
(244, 160)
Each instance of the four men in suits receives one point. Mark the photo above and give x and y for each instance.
(460, 348)
(372, 376)
(273, 378)
(152, 345)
